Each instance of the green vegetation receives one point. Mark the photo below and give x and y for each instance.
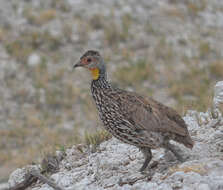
(96, 138)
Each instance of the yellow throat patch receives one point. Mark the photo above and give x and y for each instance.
(95, 73)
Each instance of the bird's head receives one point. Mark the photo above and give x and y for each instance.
(93, 62)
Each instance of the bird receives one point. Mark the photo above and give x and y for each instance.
(132, 118)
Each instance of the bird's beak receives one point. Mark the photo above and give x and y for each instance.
(78, 64)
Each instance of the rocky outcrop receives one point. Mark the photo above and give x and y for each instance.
(115, 165)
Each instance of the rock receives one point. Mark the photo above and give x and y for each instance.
(145, 186)
(44, 187)
(34, 59)
(4, 186)
(203, 187)
(165, 186)
(217, 184)
(218, 93)
(18, 175)
(218, 100)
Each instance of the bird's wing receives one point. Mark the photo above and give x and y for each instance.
(148, 114)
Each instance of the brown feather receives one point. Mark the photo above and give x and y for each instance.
(150, 115)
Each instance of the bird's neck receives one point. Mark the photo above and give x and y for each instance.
(102, 81)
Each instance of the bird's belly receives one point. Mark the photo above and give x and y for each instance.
(122, 130)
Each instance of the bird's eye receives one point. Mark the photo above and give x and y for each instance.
(89, 60)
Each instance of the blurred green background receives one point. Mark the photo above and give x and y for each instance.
(168, 49)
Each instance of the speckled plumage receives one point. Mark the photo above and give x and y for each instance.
(133, 119)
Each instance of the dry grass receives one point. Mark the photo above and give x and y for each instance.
(174, 12)
(96, 138)
(41, 18)
(3, 34)
(22, 46)
(21, 144)
(196, 168)
(190, 94)
(67, 31)
(83, 31)
(19, 50)
(114, 33)
(135, 73)
(196, 6)
(97, 21)
(204, 49)
(200, 169)
(164, 51)
(216, 69)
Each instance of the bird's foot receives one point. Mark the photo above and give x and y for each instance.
(148, 156)
(148, 168)
(144, 166)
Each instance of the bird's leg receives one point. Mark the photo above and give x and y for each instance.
(148, 156)
(174, 150)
